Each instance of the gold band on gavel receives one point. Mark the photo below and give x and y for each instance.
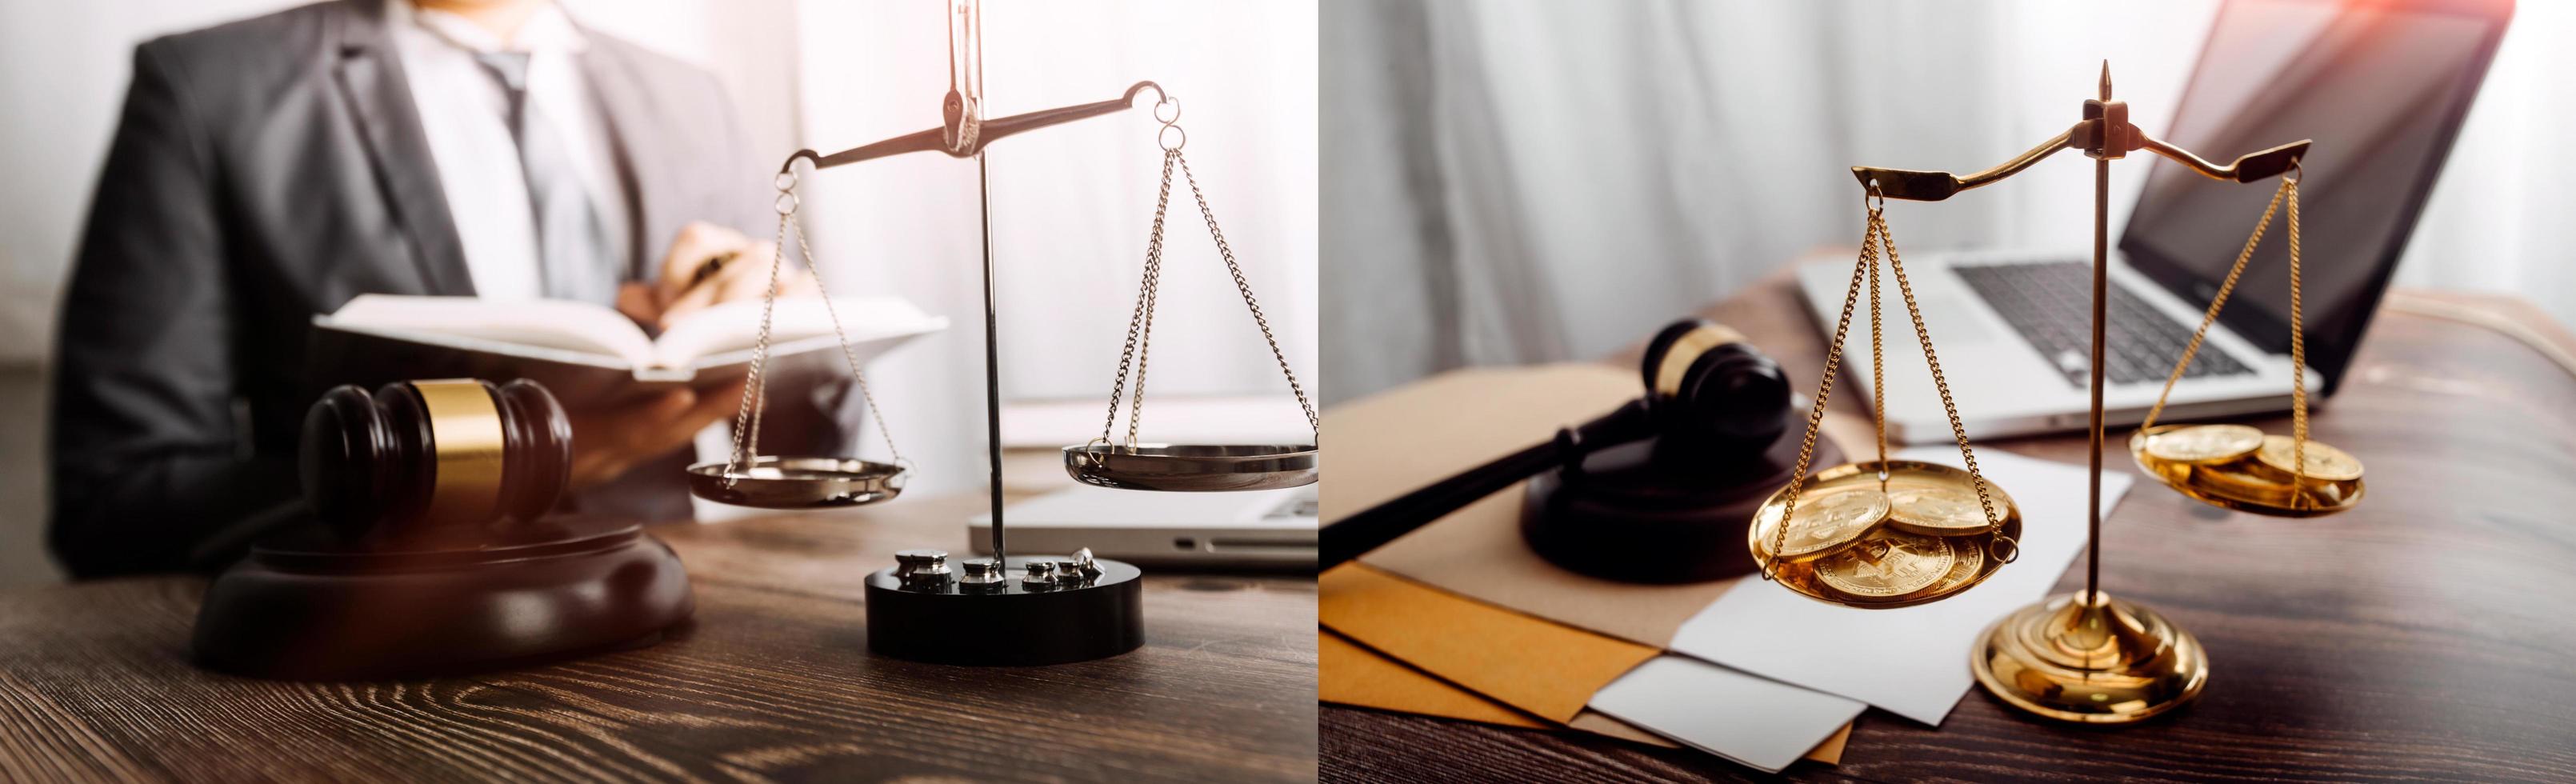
(465, 436)
(1685, 350)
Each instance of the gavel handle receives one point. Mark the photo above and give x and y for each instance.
(1348, 537)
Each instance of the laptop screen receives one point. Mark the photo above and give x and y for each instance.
(2381, 88)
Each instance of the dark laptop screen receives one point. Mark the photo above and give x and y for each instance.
(2382, 89)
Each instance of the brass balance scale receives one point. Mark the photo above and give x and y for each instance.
(1886, 534)
(1048, 609)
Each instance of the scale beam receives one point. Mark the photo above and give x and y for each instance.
(959, 122)
(1055, 610)
(990, 131)
(964, 133)
(1917, 185)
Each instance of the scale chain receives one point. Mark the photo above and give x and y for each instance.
(1153, 302)
(755, 399)
(746, 437)
(2298, 352)
(1958, 430)
(1878, 359)
(1876, 237)
(1145, 296)
(2289, 190)
(1140, 325)
(867, 396)
(1244, 287)
(1824, 391)
(2191, 348)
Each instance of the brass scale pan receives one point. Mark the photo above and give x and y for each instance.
(1801, 577)
(2220, 486)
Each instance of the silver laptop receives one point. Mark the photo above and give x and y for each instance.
(1263, 529)
(2381, 87)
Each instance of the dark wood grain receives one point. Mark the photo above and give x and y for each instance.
(2425, 634)
(771, 682)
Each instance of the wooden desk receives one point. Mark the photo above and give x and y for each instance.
(774, 682)
(2426, 634)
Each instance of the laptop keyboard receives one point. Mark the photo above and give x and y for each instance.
(2050, 304)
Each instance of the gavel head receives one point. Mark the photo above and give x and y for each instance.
(1707, 385)
(423, 456)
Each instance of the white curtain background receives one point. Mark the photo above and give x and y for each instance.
(1071, 205)
(1516, 181)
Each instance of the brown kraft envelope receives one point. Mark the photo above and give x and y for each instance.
(1515, 662)
(1355, 675)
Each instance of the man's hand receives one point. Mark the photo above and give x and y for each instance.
(740, 271)
(606, 443)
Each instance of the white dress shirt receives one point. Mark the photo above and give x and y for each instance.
(465, 114)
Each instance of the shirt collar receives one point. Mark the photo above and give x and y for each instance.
(549, 30)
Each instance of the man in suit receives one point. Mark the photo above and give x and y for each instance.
(271, 169)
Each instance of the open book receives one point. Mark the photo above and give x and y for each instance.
(588, 353)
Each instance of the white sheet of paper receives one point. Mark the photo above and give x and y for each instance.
(1911, 661)
(1752, 720)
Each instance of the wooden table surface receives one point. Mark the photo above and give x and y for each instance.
(2425, 634)
(772, 682)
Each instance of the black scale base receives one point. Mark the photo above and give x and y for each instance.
(1008, 624)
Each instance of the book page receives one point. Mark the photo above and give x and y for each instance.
(556, 324)
(735, 326)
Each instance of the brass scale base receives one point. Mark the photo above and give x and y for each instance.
(2086, 657)
(2103, 661)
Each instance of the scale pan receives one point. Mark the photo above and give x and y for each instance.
(1192, 467)
(775, 482)
(1901, 474)
(2223, 486)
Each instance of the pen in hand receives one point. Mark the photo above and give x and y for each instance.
(650, 305)
(709, 265)
(707, 285)
(710, 269)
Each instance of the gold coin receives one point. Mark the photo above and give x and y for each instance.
(1938, 511)
(2203, 444)
(2167, 470)
(2242, 479)
(2323, 462)
(1888, 564)
(1833, 520)
(1971, 554)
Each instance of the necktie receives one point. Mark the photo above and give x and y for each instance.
(571, 243)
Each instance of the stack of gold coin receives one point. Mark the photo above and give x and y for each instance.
(2239, 467)
(1861, 545)
(1832, 522)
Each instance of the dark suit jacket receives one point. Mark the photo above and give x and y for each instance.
(271, 169)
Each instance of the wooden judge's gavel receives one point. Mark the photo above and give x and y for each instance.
(1708, 392)
(445, 457)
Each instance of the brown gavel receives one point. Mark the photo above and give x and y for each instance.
(1708, 393)
(445, 458)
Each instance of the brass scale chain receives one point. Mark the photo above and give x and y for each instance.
(2298, 340)
(1140, 325)
(1875, 238)
(755, 398)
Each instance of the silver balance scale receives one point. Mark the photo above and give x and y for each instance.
(1047, 609)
